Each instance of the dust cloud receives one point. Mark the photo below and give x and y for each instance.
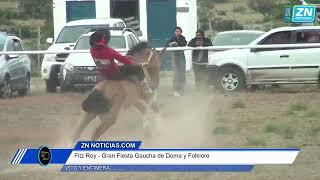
(183, 123)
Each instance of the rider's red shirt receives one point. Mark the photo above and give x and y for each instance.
(105, 57)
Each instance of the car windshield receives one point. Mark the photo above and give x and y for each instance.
(235, 39)
(70, 34)
(2, 42)
(117, 42)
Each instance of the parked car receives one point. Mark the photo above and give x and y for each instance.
(232, 38)
(14, 69)
(236, 69)
(67, 38)
(237, 37)
(79, 69)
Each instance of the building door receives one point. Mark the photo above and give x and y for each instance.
(161, 15)
(127, 10)
(77, 10)
(124, 8)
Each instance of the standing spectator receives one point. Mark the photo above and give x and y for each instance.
(178, 62)
(200, 59)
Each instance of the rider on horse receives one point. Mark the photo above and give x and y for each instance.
(104, 57)
(108, 97)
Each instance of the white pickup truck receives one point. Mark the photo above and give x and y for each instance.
(235, 69)
(67, 37)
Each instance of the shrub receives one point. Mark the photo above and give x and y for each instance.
(238, 104)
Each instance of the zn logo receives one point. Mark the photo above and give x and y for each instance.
(303, 14)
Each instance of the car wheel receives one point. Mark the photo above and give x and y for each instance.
(26, 90)
(6, 91)
(51, 86)
(230, 80)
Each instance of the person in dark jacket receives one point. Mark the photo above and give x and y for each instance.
(178, 62)
(200, 59)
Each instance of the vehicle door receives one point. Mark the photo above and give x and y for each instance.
(121, 25)
(12, 64)
(305, 61)
(22, 63)
(129, 41)
(134, 39)
(271, 65)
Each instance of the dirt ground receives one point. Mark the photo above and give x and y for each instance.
(283, 117)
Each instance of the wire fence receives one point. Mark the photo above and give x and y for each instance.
(210, 48)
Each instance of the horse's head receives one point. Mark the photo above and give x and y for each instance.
(150, 59)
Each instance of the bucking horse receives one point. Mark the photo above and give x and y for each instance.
(109, 97)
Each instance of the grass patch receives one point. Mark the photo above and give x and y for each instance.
(294, 146)
(220, 130)
(221, 119)
(287, 132)
(238, 105)
(314, 131)
(256, 141)
(270, 128)
(311, 113)
(218, 115)
(288, 113)
(283, 130)
(298, 107)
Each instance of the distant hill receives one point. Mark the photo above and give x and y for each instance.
(15, 21)
(238, 15)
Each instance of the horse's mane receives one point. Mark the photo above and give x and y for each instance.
(138, 47)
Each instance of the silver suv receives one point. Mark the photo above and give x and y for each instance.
(14, 69)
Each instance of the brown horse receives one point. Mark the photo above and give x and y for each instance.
(109, 97)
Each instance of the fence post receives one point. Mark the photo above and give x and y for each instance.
(210, 27)
(39, 38)
(19, 29)
(233, 15)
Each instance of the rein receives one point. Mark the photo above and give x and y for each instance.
(148, 60)
(144, 66)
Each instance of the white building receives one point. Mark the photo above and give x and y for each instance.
(156, 18)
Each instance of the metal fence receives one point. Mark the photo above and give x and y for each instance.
(279, 46)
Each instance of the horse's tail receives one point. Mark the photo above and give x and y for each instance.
(96, 102)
